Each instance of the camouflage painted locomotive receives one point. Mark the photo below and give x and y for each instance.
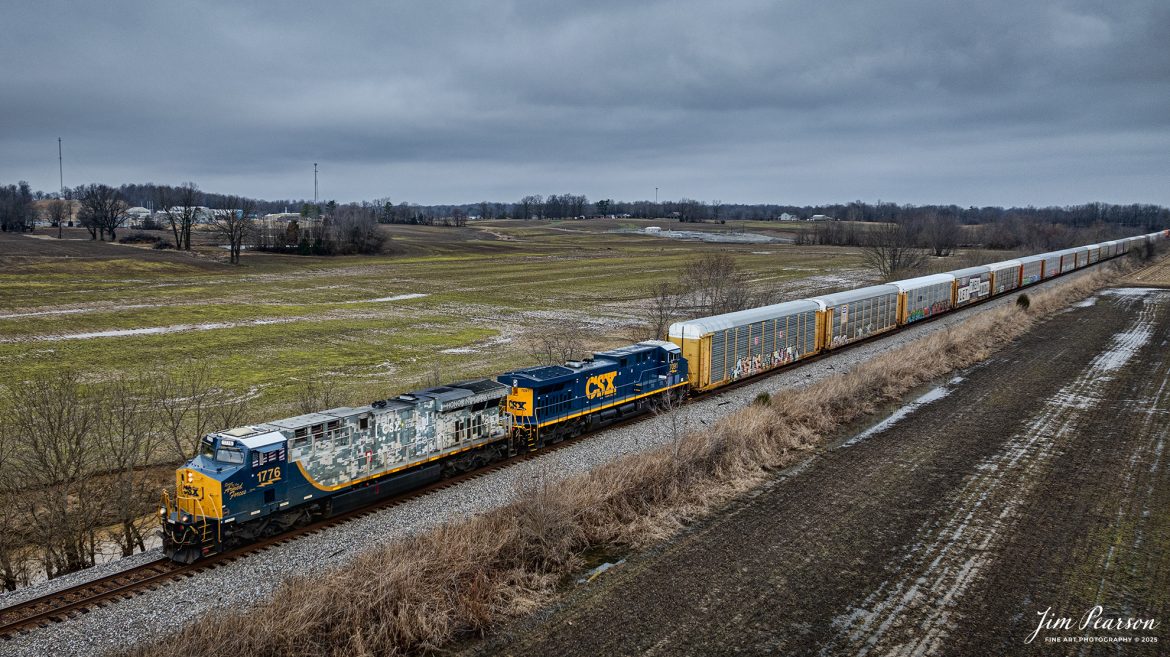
(261, 480)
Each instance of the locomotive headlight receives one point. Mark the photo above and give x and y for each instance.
(190, 477)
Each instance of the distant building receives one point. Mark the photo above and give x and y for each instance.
(136, 217)
(820, 217)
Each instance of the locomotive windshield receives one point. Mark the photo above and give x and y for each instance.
(207, 449)
(229, 455)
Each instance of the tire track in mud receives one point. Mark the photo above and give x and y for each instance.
(1106, 500)
(915, 614)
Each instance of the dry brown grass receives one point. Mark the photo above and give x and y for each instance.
(423, 592)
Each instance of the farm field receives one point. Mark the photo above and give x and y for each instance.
(1156, 275)
(1034, 481)
(462, 302)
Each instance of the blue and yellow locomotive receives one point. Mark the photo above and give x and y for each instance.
(550, 403)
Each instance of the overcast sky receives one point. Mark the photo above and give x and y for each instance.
(994, 102)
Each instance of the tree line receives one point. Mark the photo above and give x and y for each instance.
(563, 206)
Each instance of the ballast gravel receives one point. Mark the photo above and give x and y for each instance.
(254, 578)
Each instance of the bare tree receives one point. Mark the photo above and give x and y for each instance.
(318, 393)
(663, 308)
(13, 528)
(57, 213)
(102, 210)
(941, 234)
(690, 210)
(529, 205)
(355, 229)
(181, 216)
(17, 211)
(185, 399)
(459, 217)
(892, 250)
(435, 375)
(558, 345)
(127, 438)
(236, 222)
(54, 462)
(715, 285)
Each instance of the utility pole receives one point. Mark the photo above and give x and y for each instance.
(61, 173)
(314, 183)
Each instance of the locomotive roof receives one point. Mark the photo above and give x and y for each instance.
(600, 360)
(543, 372)
(459, 394)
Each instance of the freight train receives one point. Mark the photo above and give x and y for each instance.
(261, 480)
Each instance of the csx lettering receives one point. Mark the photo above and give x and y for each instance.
(269, 476)
(514, 405)
(600, 385)
(192, 491)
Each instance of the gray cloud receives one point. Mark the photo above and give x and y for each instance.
(916, 101)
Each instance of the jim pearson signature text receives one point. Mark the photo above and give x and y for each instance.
(1094, 618)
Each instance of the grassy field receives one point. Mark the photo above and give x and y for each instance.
(465, 301)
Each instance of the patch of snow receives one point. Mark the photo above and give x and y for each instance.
(932, 395)
(397, 297)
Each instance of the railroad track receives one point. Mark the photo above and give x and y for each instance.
(68, 603)
(63, 605)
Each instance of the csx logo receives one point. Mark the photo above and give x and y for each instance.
(600, 385)
(193, 491)
(515, 405)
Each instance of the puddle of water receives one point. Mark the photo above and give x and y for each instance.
(934, 394)
(479, 347)
(713, 236)
(75, 311)
(1132, 291)
(397, 297)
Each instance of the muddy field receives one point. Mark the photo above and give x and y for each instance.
(465, 302)
(1030, 488)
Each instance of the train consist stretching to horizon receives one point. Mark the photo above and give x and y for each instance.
(261, 480)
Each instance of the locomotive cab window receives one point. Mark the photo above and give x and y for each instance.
(229, 455)
(206, 449)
